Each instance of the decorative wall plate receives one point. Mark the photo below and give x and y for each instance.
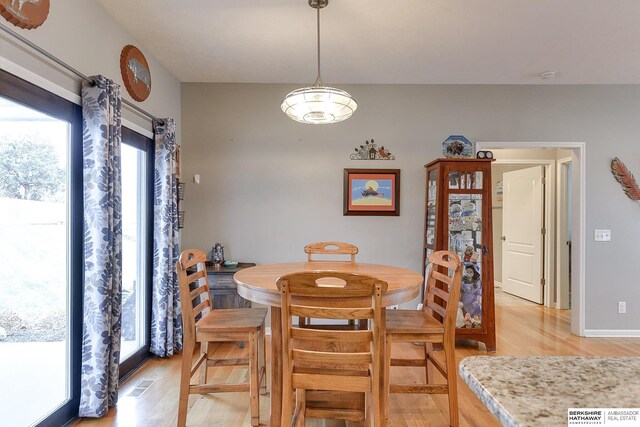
(457, 146)
(27, 14)
(135, 73)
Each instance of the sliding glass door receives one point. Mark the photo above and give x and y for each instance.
(41, 229)
(136, 253)
(40, 272)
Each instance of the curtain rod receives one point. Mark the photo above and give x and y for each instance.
(69, 67)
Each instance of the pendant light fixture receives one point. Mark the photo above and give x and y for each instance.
(318, 104)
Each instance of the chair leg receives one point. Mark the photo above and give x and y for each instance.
(263, 372)
(204, 348)
(254, 368)
(287, 401)
(299, 417)
(428, 348)
(185, 379)
(386, 382)
(452, 382)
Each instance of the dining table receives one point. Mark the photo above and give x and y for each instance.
(258, 284)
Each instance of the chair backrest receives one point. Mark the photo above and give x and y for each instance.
(195, 299)
(331, 248)
(443, 288)
(330, 295)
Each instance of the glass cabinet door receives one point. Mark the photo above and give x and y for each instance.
(465, 239)
(431, 219)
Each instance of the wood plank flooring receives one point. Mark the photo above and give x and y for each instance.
(521, 330)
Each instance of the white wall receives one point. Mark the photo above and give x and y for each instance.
(80, 33)
(270, 185)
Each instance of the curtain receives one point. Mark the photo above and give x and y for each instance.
(101, 135)
(166, 319)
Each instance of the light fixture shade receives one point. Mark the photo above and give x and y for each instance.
(318, 105)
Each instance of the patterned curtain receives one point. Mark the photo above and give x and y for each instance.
(166, 321)
(102, 246)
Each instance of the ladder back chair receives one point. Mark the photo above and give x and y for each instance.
(323, 366)
(330, 248)
(203, 325)
(434, 324)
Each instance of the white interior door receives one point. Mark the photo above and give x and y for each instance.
(522, 235)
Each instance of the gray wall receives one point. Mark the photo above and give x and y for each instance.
(80, 33)
(270, 185)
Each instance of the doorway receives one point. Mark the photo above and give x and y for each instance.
(574, 198)
(516, 162)
(524, 233)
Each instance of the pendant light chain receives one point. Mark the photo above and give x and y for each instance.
(318, 79)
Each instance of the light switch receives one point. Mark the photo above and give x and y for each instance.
(196, 179)
(602, 235)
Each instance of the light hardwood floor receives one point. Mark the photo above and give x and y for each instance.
(522, 329)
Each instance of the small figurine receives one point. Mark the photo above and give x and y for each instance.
(470, 255)
(217, 254)
(460, 316)
(471, 290)
(467, 320)
(475, 322)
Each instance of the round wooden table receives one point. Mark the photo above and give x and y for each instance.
(258, 284)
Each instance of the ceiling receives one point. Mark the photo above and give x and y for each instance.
(393, 41)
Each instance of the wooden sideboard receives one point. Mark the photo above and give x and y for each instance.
(222, 287)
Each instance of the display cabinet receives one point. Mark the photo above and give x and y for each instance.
(458, 218)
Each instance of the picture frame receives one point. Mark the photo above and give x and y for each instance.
(371, 192)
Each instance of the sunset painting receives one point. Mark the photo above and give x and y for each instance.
(371, 191)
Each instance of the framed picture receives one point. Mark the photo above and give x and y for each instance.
(372, 192)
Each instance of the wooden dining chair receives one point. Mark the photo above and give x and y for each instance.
(434, 324)
(331, 249)
(203, 325)
(320, 363)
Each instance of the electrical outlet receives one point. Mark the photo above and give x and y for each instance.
(622, 307)
(602, 235)
(420, 306)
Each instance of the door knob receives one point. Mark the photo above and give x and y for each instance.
(503, 238)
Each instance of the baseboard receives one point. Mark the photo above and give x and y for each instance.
(624, 333)
(497, 284)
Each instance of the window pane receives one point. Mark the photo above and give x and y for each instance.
(133, 250)
(34, 272)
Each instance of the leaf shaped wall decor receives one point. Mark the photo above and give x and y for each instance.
(626, 179)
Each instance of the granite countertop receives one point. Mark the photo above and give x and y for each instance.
(538, 390)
